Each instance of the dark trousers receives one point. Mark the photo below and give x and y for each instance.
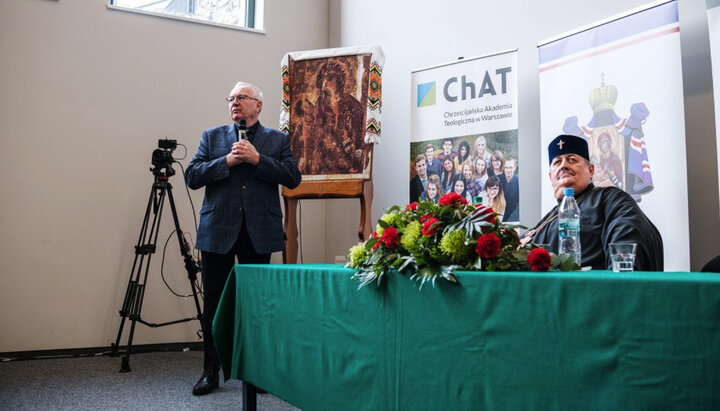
(215, 272)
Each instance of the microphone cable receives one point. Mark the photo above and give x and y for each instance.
(195, 253)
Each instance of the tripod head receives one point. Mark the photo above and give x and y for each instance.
(162, 158)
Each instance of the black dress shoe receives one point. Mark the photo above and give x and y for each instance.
(207, 383)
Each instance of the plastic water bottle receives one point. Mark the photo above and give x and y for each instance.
(569, 226)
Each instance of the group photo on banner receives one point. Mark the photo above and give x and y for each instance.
(464, 133)
(618, 84)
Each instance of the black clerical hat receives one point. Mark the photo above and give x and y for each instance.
(567, 144)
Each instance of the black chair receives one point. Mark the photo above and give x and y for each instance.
(712, 266)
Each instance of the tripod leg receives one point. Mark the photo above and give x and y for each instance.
(134, 276)
(136, 289)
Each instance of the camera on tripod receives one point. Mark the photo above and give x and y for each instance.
(162, 158)
(162, 161)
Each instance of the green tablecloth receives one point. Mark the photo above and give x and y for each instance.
(510, 341)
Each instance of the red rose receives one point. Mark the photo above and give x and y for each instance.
(412, 206)
(374, 235)
(390, 238)
(481, 209)
(426, 217)
(539, 259)
(452, 198)
(430, 227)
(488, 245)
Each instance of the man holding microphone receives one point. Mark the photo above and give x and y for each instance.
(240, 165)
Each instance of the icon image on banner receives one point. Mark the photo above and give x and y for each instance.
(426, 94)
(617, 145)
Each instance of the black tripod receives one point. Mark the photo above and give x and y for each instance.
(162, 160)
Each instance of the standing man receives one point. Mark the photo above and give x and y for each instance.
(511, 188)
(433, 164)
(447, 152)
(607, 214)
(240, 216)
(419, 182)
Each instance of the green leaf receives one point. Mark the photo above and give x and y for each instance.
(445, 210)
(389, 259)
(425, 272)
(408, 259)
(554, 260)
(503, 266)
(369, 244)
(521, 254)
(567, 262)
(383, 224)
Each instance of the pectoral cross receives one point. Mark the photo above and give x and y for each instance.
(560, 144)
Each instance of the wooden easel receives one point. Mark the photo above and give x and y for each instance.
(362, 189)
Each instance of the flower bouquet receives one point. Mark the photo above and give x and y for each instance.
(434, 240)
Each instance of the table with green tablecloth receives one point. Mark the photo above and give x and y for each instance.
(510, 340)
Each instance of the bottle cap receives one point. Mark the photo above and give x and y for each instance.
(568, 192)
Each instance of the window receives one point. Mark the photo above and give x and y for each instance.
(234, 13)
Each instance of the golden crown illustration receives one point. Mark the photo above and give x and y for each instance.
(604, 97)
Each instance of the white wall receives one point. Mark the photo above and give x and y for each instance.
(85, 92)
(424, 33)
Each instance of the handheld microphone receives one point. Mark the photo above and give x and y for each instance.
(242, 130)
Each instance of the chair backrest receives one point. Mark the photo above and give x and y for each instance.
(712, 266)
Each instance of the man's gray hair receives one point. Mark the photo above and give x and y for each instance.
(258, 93)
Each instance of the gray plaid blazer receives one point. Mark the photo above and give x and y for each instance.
(243, 191)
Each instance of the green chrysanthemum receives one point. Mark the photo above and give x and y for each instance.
(410, 235)
(389, 218)
(379, 230)
(453, 245)
(357, 255)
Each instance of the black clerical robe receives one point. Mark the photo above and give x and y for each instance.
(608, 215)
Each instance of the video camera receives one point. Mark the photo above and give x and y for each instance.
(162, 158)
